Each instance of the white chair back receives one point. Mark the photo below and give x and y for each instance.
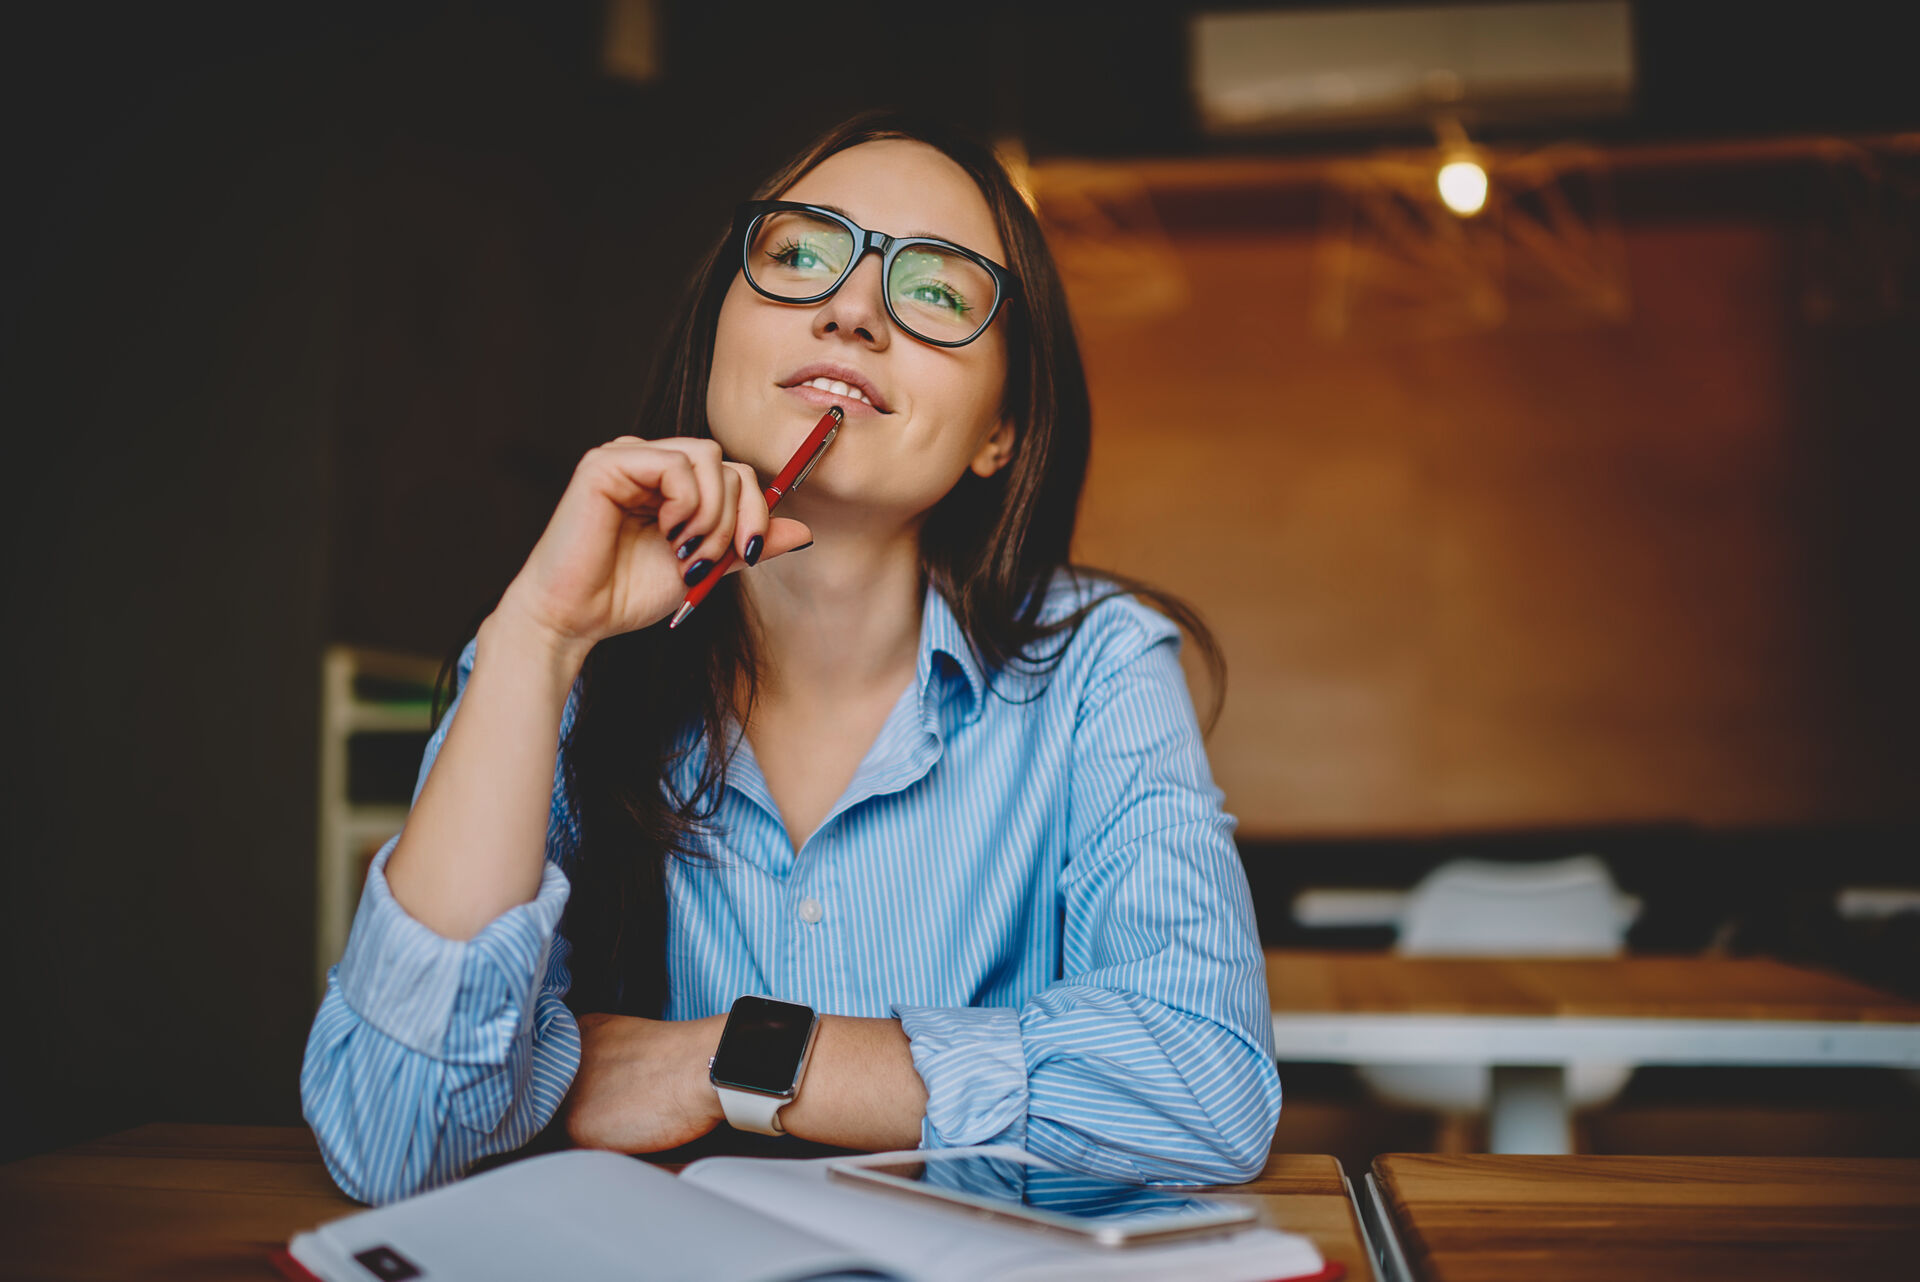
(1559, 908)
(1556, 908)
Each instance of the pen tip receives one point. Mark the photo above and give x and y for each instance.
(680, 615)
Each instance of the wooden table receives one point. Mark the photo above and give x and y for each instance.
(212, 1202)
(1530, 1017)
(1490, 1218)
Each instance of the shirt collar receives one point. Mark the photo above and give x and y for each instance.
(944, 650)
(952, 689)
(944, 653)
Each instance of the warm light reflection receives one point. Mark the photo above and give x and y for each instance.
(1463, 187)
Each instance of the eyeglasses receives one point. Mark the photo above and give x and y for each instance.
(939, 292)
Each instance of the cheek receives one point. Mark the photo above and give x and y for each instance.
(959, 404)
(993, 345)
(979, 396)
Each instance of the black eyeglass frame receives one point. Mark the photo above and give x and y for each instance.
(748, 216)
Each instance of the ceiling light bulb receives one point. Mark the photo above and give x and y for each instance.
(1463, 187)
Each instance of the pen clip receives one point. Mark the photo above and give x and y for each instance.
(824, 442)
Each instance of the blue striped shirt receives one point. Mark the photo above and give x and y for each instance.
(1033, 873)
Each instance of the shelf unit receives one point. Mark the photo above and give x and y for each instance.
(351, 832)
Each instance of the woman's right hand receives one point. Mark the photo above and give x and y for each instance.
(605, 565)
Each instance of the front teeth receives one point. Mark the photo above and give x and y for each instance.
(838, 388)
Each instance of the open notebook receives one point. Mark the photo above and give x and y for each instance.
(591, 1216)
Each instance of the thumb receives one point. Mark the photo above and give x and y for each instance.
(783, 536)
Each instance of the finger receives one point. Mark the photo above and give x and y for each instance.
(715, 543)
(641, 480)
(783, 536)
(686, 528)
(750, 519)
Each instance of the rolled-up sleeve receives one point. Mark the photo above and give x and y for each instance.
(429, 1053)
(971, 1060)
(1150, 1059)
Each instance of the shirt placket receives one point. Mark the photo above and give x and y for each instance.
(902, 753)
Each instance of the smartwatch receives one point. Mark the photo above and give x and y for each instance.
(762, 1057)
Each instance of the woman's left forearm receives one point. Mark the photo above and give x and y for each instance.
(642, 1085)
(861, 1090)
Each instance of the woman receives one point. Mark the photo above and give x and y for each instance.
(907, 768)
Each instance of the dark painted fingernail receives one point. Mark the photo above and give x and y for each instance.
(697, 571)
(754, 546)
(803, 547)
(674, 533)
(686, 549)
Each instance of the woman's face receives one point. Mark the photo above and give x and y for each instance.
(936, 411)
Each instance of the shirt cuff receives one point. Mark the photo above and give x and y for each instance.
(405, 980)
(975, 1071)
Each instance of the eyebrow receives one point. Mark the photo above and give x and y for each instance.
(912, 235)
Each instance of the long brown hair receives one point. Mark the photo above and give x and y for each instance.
(991, 547)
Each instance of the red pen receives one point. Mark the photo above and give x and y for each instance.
(784, 484)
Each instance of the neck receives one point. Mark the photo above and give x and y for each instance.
(836, 618)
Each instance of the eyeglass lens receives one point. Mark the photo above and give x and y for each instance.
(934, 293)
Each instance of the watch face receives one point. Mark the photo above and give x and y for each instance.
(761, 1049)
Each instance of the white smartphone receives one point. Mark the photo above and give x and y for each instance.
(1022, 1187)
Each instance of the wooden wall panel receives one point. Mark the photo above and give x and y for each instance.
(1522, 577)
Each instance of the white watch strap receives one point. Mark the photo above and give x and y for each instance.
(752, 1111)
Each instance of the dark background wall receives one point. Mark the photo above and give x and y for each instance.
(308, 311)
(170, 366)
(1652, 566)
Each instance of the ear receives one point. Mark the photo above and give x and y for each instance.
(995, 450)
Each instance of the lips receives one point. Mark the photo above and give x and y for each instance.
(834, 384)
(838, 388)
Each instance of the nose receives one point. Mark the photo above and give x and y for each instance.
(857, 309)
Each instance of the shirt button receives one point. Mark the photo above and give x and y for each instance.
(811, 911)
